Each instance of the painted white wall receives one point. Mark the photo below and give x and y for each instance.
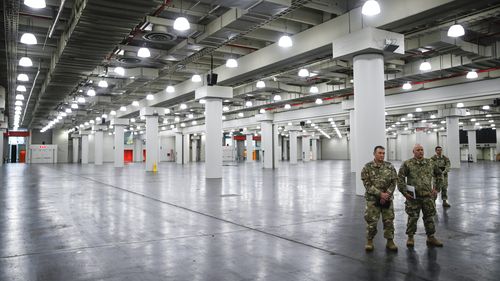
(61, 138)
(334, 149)
(167, 146)
(202, 151)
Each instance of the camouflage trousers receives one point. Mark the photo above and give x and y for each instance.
(428, 207)
(444, 190)
(372, 215)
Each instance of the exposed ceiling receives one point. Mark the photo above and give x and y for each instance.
(93, 37)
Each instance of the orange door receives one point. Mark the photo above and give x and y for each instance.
(22, 156)
(128, 155)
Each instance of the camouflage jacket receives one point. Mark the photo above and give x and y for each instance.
(419, 173)
(442, 162)
(378, 178)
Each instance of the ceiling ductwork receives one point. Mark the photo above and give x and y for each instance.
(160, 34)
(92, 34)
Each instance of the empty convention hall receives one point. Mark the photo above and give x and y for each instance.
(212, 140)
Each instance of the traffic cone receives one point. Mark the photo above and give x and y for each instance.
(155, 168)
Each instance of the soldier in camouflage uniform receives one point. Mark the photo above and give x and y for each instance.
(443, 163)
(380, 179)
(418, 172)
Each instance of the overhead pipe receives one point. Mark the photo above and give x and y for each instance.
(31, 92)
(53, 27)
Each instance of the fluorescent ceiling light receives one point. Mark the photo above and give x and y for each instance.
(407, 86)
(177, 119)
(241, 114)
(231, 63)
(181, 24)
(425, 66)
(35, 4)
(23, 77)
(303, 72)
(370, 8)
(319, 101)
(26, 62)
(288, 106)
(81, 100)
(456, 30)
(28, 39)
(313, 90)
(225, 108)
(91, 93)
(262, 111)
(21, 88)
(103, 84)
(18, 102)
(74, 106)
(196, 78)
(119, 70)
(183, 106)
(248, 103)
(135, 103)
(285, 41)
(459, 105)
(112, 112)
(150, 97)
(123, 108)
(260, 84)
(418, 109)
(277, 98)
(143, 53)
(104, 116)
(18, 108)
(471, 75)
(167, 110)
(202, 101)
(19, 97)
(170, 89)
(486, 107)
(68, 110)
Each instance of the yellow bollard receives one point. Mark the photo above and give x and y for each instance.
(155, 168)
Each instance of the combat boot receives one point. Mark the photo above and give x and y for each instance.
(446, 204)
(433, 242)
(369, 245)
(391, 246)
(410, 243)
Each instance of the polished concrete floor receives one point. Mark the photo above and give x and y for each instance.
(303, 222)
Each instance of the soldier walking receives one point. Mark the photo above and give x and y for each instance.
(417, 173)
(443, 163)
(379, 178)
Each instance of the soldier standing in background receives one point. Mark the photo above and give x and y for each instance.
(443, 163)
(417, 173)
(379, 178)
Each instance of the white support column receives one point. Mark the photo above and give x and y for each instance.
(194, 150)
(250, 147)
(213, 123)
(85, 148)
(119, 141)
(314, 148)
(405, 149)
(179, 148)
(369, 105)
(137, 149)
(2, 131)
(498, 141)
(267, 144)
(471, 134)
(98, 145)
(306, 148)
(453, 141)
(293, 146)
(352, 139)
(75, 149)
(285, 149)
(276, 147)
(152, 142)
